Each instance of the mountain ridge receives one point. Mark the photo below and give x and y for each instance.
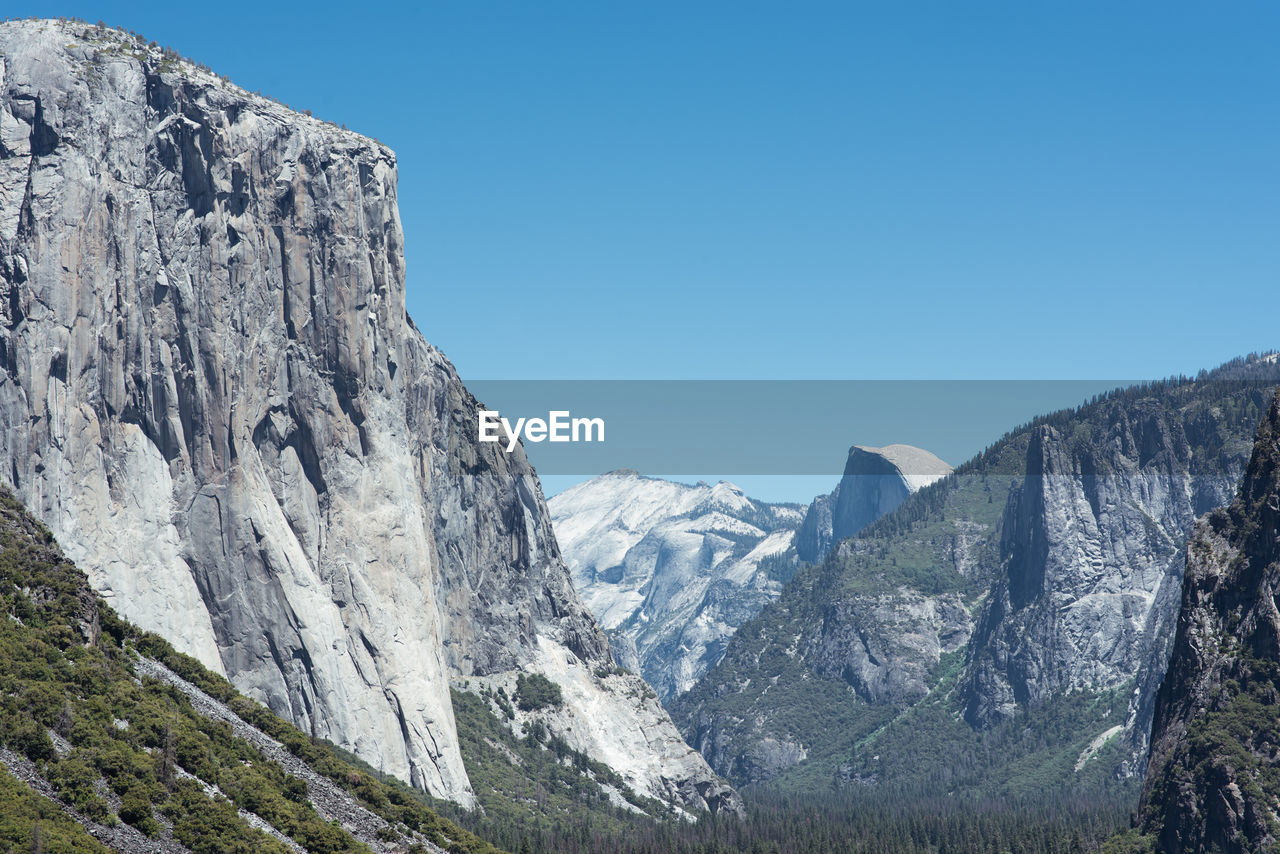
(882, 634)
(669, 569)
(1211, 781)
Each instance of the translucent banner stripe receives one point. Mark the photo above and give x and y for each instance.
(765, 427)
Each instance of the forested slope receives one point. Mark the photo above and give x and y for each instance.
(1003, 631)
(112, 740)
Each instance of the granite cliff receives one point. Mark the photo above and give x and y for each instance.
(1211, 781)
(1091, 558)
(213, 396)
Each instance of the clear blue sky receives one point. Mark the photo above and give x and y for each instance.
(800, 190)
(808, 190)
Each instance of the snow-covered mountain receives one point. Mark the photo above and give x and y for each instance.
(671, 570)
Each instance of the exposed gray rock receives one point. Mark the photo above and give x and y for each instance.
(120, 836)
(1211, 782)
(671, 570)
(214, 398)
(1092, 558)
(885, 646)
(881, 647)
(1051, 562)
(875, 482)
(815, 537)
(636, 737)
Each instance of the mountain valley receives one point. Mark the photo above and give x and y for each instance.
(671, 570)
(274, 580)
(1004, 630)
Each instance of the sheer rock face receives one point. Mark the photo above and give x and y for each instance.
(671, 570)
(214, 398)
(1091, 555)
(885, 646)
(1210, 781)
(875, 482)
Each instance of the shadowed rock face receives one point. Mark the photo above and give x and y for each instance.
(875, 482)
(213, 396)
(1211, 782)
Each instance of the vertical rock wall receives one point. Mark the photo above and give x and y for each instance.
(213, 396)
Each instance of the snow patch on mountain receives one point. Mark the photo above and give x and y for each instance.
(670, 569)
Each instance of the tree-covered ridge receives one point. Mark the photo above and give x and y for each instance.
(1242, 385)
(1213, 782)
(535, 792)
(820, 676)
(120, 749)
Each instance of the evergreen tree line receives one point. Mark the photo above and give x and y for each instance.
(842, 824)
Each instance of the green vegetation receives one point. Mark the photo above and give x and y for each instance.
(537, 793)
(29, 822)
(774, 681)
(69, 673)
(1234, 741)
(1129, 842)
(538, 796)
(387, 796)
(929, 751)
(535, 691)
(844, 824)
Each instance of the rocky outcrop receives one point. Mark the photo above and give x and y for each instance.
(1041, 578)
(637, 736)
(817, 666)
(875, 482)
(885, 646)
(1091, 556)
(671, 570)
(214, 398)
(1211, 783)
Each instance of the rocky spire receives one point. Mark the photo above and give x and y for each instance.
(1211, 781)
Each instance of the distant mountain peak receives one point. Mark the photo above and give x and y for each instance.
(875, 482)
(669, 569)
(923, 467)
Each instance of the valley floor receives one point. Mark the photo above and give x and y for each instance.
(777, 824)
